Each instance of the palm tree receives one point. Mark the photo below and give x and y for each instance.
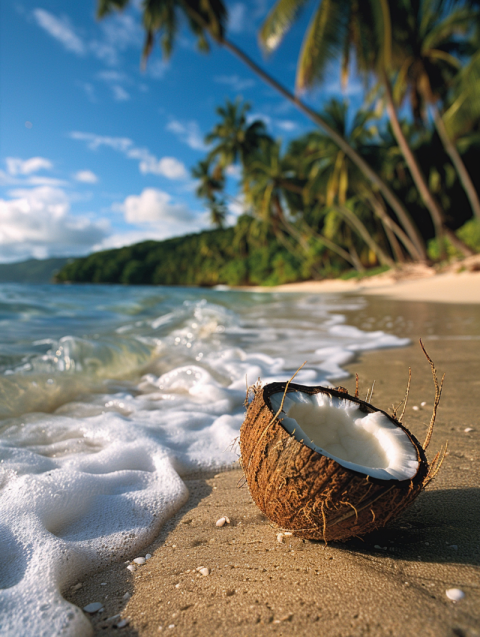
(333, 178)
(336, 27)
(235, 138)
(427, 55)
(207, 18)
(210, 187)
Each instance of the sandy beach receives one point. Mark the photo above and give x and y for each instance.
(394, 582)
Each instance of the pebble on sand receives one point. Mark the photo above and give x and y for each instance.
(467, 430)
(455, 594)
(280, 538)
(148, 556)
(93, 607)
(122, 623)
(131, 567)
(140, 560)
(204, 571)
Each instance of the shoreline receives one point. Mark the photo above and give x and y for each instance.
(259, 586)
(458, 283)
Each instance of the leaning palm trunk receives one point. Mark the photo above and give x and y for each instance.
(359, 227)
(391, 228)
(357, 159)
(428, 199)
(371, 175)
(457, 161)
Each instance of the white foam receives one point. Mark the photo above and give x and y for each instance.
(91, 474)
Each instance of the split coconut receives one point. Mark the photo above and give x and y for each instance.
(329, 466)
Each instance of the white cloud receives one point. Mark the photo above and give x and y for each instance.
(38, 222)
(118, 32)
(237, 17)
(189, 133)
(16, 166)
(155, 207)
(86, 177)
(286, 125)
(234, 171)
(237, 83)
(168, 167)
(61, 30)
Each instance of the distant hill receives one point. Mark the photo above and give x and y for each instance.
(32, 270)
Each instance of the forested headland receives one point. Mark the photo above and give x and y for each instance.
(392, 182)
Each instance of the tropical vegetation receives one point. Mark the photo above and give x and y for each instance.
(390, 183)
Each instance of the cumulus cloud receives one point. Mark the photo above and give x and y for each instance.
(168, 167)
(235, 82)
(37, 222)
(86, 177)
(61, 30)
(188, 132)
(16, 166)
(155, 207)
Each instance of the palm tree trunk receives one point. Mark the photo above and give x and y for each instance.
(375, 179)
(393, 241)
(389, 195)
(362, 231)
(457, 161)
(389, 223)
(432, 205)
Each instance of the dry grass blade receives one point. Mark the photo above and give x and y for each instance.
(407, 393)
(438, 394)
(436, 464)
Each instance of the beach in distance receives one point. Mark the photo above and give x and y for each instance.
(392, 582)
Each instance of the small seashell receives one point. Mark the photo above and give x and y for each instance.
(204, 571)
(227, 520)
(93, 607)
(423, 404)
(140, 560)
(132, 568)
(415, 407)
(103, 584)
(455, 594)
(467, 430)
(280, 538)
(220, 522)
(77, 586)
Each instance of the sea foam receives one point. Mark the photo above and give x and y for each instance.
(100, 426)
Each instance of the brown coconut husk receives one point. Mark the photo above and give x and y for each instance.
(312, 495)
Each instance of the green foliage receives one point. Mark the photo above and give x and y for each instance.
(234, 256)
(469, 233)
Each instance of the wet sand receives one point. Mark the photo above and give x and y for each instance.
(391, 583)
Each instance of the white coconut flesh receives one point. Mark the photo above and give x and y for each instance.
(369, 443)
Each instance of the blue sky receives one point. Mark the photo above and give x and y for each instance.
(96, 153)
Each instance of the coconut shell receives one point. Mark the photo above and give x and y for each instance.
(312, 495)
